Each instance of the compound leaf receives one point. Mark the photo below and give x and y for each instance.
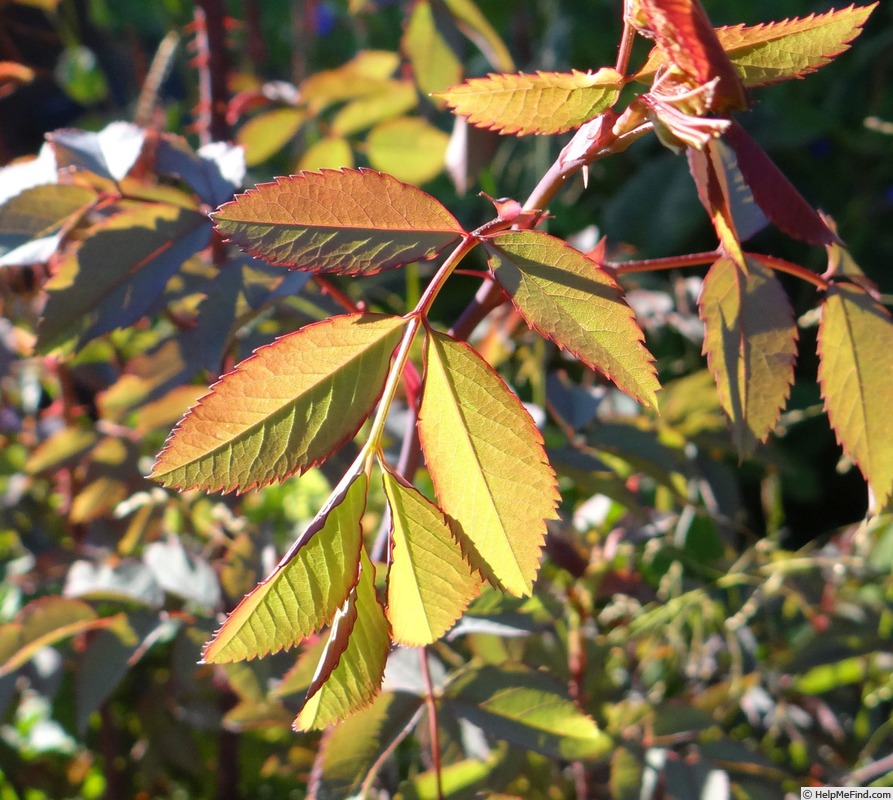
(526, 708)
(547, 102)
(484, 452)
(306, 589)
(284, 409)
(429, 583)
(345, 221)
(855, 343)
(751, 345)
(571, 300)
(350, 671)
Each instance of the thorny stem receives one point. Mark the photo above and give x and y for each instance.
(626, 46)
(670, 262)
(433, 732)
(793, 269)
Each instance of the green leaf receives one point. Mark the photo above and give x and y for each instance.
(429, 583)
(365, 74)
(395, 98)
(434, 64)
(469, 19)
(547, 102)
(119, 271)
(266, 134)
(285, 408)
(344, 221)
(32, 223)
(571, 300)
(484, 452)
(410, 148)
(855, 346)
(306, 588)
(349, 674)
(525, 708)
(751, 344)
(332, 152)
(351, 755)
(62, 447)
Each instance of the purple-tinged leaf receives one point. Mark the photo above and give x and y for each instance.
(214, 173)
(111, 153)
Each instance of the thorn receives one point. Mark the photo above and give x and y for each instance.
(586, 176)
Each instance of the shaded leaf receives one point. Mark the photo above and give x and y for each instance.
(435, 65)
(774, 193)
(429, 582)
(32, 223)
(751, 343)
(285, 408)
(266, 134)
(484, 452)
(111, 153)
(683, 33)
(339, 221)
(547, 102)
(213, 173)
(352, 753)
(116, 274)
(351, 668)
(395, 98)
(45, 622)
(469, 19)
(855, 347)
(409, 148)
(303, 593)
(526, 708)
(568, 298)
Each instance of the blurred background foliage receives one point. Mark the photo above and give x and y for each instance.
(727, 624)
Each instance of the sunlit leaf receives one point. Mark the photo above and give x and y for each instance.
(266, 134)
(547, 102)
(751, 344)
(410, 148)
(855, 347)
(476, 27)
(569, 299)
(429, 581)
(214, 173)
(284, 409)
(62, 447)
(306, 589)
(484, 452)
(365, 74)
(12, 75)
(435, 65)
(45, 622)
(16, 178)
(339, 221)
(351, 754)
(682, 32)
(32, 223)
(395, 99)
(183, 574)
(116, 274)
(527, 708)
(331, 152)
(350, 671)
(110, 153)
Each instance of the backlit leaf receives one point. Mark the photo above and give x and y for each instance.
(365, 74)
(339, 221)
(116, 274)
(285, 408)
(774, 193)
(306, 589)
(409, 148)
(683, 33)
(477, 28)
(429, 582)
(110, 153)
(352, 753)
(569, 299)
(435, 65)
(350, 671)
(32, 223)
(855, 347)
(527, 708)
(63, 447)
(484, 452)
(396, 98)
(547, 102)
(266, 134)
(751, 344)
(331, 152)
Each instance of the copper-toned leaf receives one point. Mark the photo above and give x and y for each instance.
(568, 298)
(774, 193)
(856, 375)
(484, 452)
(750, 341)
(346, 221)
(304, 591)
(683, 33)
(285, 408)
(547, 102)
(350, 671)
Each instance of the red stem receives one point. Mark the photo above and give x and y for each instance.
(792, 269)
(431, 703)
(669, 262)
(213, 69)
